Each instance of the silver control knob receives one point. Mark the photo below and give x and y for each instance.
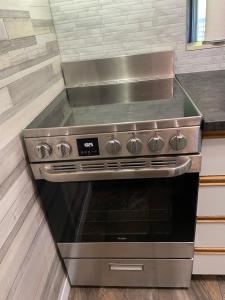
(43, 150)
(113, 147)
(156, 143)
(63, 149)
(178, 142)
(134, 145)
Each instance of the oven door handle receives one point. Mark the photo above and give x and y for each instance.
(182, 166)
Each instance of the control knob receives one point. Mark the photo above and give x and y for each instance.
(178, 142)
(113, 147)
(156, 143)
(43, 150)
(134, 145)
(63, 149)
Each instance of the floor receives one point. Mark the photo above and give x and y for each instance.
(202, 288)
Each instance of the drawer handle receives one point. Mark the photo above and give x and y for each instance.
(212, 181)
(209, 219)
(126, 267)
(209, 251)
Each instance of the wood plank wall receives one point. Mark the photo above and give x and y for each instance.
(30, 77)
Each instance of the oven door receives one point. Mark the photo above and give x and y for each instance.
(132, 218)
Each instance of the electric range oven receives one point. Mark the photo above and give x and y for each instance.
(117, 168)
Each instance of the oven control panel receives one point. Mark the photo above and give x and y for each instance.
(185, 140)
(88, 146)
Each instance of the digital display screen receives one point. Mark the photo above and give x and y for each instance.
(88, 147)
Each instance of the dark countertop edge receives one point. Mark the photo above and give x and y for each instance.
(208, 126)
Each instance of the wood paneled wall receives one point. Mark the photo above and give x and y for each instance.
(30, 77)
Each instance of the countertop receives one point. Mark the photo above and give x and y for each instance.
(207, 90)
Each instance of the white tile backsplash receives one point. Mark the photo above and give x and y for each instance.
(105, 28)
(24, 63)
(3, 32)
(18, 27)
(5, 100)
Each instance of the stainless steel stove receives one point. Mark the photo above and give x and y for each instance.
(117, 166)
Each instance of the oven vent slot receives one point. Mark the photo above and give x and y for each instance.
(65, 168)
(112, 165)
(163, 163)
(92, 166)
(133, 164)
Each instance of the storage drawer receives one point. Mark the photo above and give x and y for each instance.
(210, 234)
(213, 157)
(211, 201)
(209, 263)
(130, 272)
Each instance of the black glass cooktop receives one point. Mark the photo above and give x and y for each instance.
(117, 103)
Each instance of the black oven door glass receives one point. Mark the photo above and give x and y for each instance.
(136, 210)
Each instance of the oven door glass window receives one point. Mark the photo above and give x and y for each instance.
(136, 210)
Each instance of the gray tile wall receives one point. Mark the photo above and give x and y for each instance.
(105, 28)
(29, 72)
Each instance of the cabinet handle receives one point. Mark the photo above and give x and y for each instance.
(126, 267)
(209, 251)
(212, 181)
(209, 219)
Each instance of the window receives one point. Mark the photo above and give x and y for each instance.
(197, 21)
(201, 16)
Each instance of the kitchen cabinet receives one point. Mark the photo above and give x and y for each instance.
(209, 257)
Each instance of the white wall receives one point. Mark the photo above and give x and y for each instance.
(88, 29)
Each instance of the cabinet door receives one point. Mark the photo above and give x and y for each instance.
(209, 263)
(213, 157)
(211, 201)
(210, 234)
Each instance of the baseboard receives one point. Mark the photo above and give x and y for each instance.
(65, 290)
